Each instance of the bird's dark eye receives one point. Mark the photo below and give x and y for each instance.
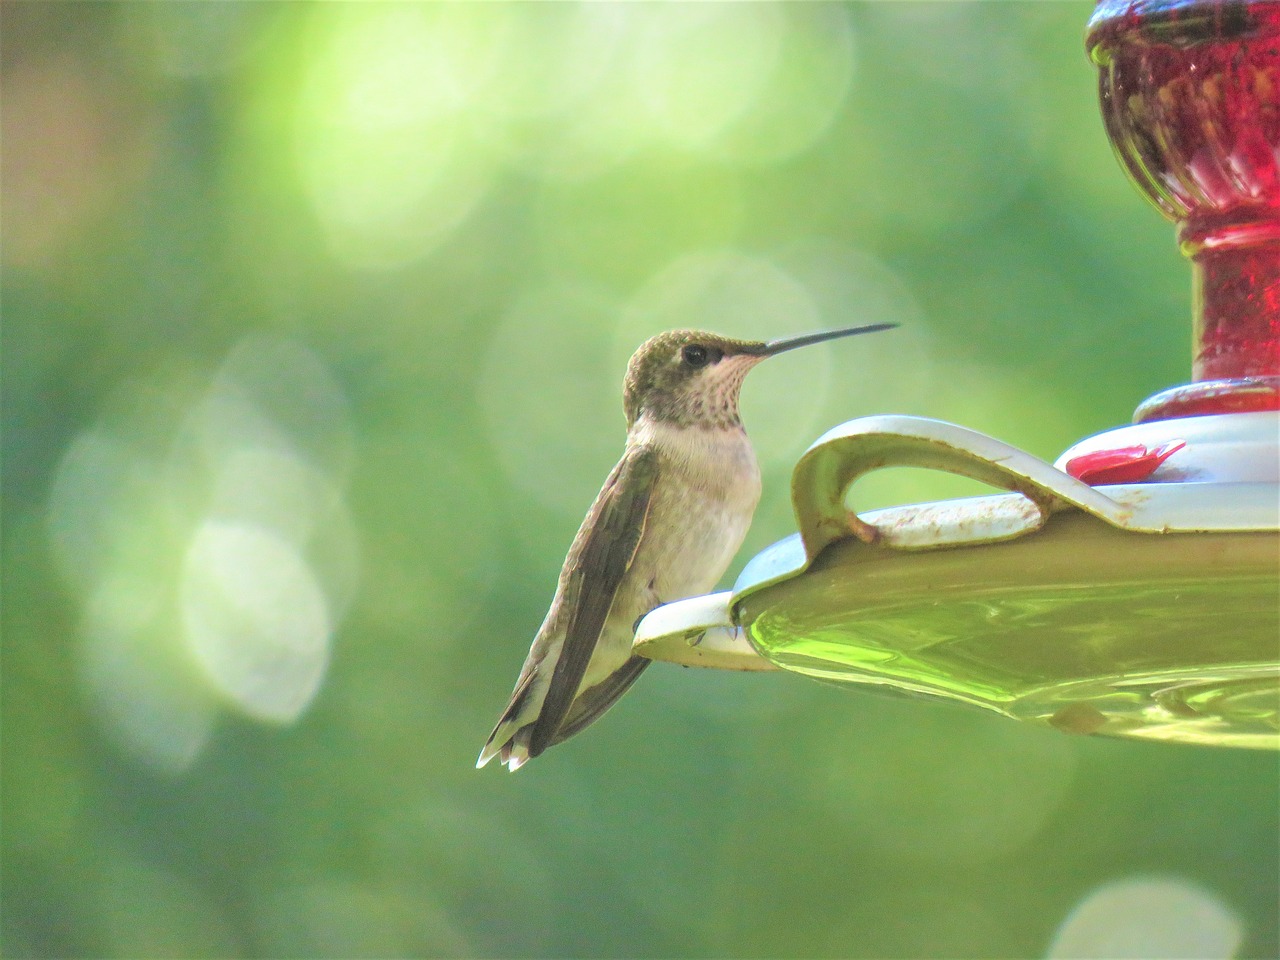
(696, 355)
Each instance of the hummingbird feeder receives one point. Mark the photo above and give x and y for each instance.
(1132, 588)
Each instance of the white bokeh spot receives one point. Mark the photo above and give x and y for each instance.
(1148, 918)
(255, 619)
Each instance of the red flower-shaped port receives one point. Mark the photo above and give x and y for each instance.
(1121, 465)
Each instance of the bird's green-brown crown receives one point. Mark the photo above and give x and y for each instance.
(689, 377)
(692, 378)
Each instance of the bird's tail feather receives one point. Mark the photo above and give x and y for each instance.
(511, 745)
(510, 736)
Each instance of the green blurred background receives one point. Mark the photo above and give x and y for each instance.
(315, 318)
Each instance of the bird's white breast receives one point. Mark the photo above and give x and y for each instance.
(707, 490)
(705, 494)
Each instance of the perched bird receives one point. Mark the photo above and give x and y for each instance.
(666, 524)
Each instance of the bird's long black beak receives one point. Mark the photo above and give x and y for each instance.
(784, 344)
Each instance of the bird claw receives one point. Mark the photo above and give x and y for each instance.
(636, 626)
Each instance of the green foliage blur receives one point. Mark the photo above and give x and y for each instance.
(314, 320)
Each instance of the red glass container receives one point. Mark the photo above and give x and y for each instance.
(1190, 93)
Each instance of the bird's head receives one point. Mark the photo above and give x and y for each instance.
(692, 378)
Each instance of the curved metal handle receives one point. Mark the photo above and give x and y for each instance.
(842, 455)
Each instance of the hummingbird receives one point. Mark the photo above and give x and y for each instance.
(665, 526)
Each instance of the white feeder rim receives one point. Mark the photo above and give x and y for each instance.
(698, 632)
(1230, 447)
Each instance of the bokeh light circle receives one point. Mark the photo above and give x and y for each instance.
(255, 619)
(137, 677)
(552, 400)
(745, 83)
(952, 785)
(203, 527)
(382, 139)
(701, 66)
(1148, 918)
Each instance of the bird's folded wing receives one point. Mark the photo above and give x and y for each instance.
(594, 701)
(599, 558)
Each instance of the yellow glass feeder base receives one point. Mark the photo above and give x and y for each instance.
(1086, 628)
(1147, 610)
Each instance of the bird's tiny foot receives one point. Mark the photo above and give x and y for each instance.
(636, 626)
(697, 638)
